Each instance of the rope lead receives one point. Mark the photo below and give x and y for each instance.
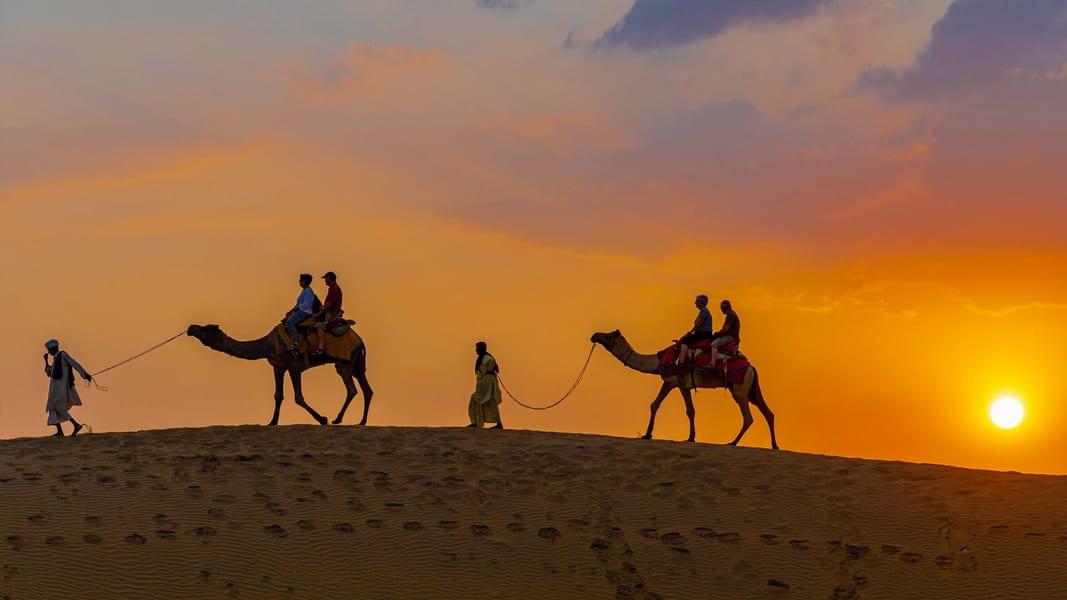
(570, 391)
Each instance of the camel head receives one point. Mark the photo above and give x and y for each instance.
(209, 335)
(607, 340)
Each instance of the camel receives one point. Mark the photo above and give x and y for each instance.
(272, 348)
(617, 345)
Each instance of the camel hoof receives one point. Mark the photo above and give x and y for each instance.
(336, 421)
(362, 423)
(647, 436)
(774, 447)
(323, 420)
(691, 440)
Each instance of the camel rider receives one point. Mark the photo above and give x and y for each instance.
(729, 333)
(62, 394)
(485, 402)
(305, 307)
(331, 307)
(702, 329)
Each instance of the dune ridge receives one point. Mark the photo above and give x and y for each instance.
(383, 512)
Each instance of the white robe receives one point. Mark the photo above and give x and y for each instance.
(61, 392)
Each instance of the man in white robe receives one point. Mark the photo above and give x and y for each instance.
(62, 394)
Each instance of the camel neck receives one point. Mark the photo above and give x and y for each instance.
(625, 353)
(247, 350)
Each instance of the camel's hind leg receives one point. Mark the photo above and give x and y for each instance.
(294, 375)
(756, 398)
(345, 371)
(663, 391)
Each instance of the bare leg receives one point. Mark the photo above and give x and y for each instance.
(691, 412)
(360, 372)
(663, 391)
(756, 397)
(345, 371)
(294, 375)
(682, 352)
(279, 394)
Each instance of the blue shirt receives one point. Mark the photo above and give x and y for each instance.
(305, 302)
(705, 327)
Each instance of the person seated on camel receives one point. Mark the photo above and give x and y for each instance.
(702, 329)
(730, 333)
(305, 307)
(331, 308)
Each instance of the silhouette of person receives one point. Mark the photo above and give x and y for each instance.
(484, 406)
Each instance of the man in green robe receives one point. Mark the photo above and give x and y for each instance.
(485, 401)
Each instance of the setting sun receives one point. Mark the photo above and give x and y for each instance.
(1006, 412)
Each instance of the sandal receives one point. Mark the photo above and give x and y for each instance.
(318, 352)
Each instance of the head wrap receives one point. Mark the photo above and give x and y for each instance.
(51, 344)
(702, 298)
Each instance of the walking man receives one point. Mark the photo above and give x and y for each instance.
(62, 394)
(485, 401)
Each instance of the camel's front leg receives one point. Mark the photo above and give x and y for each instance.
(663, 391)
(691, 412)
(368, 393)
(279, 394)
(294, 375)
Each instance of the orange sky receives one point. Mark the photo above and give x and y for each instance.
(889, 227)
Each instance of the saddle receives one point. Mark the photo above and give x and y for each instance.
(341, 341)
(730, 361)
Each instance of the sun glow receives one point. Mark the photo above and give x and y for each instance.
(1006, 412)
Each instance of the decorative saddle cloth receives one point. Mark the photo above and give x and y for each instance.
(339, 346)
(730, 361)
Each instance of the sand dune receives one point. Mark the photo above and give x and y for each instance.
(308, 512)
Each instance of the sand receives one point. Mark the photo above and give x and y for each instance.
(309, 512)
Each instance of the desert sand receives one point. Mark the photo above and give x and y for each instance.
(341, 512)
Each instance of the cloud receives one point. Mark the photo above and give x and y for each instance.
(654, 24)
(505, 4)
(363, 69)
(977, 43)
(1008, 311)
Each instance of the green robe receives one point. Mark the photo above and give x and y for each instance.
(485, 401)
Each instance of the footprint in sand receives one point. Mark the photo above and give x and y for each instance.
(92, 539)
(482, 530)
(205, 532)
(704, 532)
(344, 528)
(649, 533)
(375, 523)
(600, 548)
(911, 557)
(135, 539)
(216, 513)
(414, 526)
(38, 518)
(516, 527)
(769, 539)
(673, 538)
(274, 508)
(194, 491)
(448, 525)
(729, 537)
(549, 533)
(354, 504)
(778, 585)
(276, 531)
(94, 521)
(890, 549)
(166, 534)
(799, 544)
(55, 540)
(305, 525)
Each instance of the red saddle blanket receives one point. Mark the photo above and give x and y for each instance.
(734, 367)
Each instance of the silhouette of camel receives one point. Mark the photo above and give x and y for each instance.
(615, 343)
(271, 348)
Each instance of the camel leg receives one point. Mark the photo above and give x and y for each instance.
(663, 391)
(279, 394)
(345, 371)
(294, 375)
(691, 412)
(368, 393)
(756, 397)
(746, 417)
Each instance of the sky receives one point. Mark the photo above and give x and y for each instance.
(877, 185)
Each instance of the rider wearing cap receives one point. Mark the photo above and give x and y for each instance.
(331, 307)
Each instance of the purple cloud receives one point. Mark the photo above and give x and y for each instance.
(977, 43)
(653, 24)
